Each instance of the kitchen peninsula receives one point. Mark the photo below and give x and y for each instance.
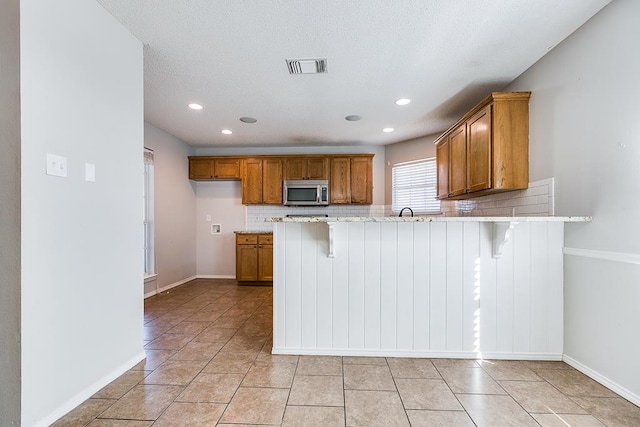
(463, 287)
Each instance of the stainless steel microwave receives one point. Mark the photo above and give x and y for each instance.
(305, 192)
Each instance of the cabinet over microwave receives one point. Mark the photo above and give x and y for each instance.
(305, 192)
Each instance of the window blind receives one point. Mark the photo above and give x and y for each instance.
(414, 186)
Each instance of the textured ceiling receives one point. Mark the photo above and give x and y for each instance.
(230, 57)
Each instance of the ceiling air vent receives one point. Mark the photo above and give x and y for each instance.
(307, 66)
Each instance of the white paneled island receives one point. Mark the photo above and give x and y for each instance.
(464, 287)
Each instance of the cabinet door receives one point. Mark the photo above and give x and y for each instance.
(361, 180)
(340, 184)
(317, 168)
(265, 262)
(458, 161)
(442, 162)
(251, 181)
(246, 262)
(200, 169)
(295, 168)
(226, 168)
(479, 150)
(272, 181)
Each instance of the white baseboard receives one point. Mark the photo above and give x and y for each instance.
(615, 387)
(89, 391)
(415, 353)
(607, 256)
(167, 287)
(215, 276)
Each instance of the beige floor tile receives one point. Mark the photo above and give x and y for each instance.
(230, 363)
(508, 370)
(317, 390)
(614, 411)
(319, 365)
(119, 423)
(150, 333)
(575, 383)
(169, 342)
(242, 343)
(278, 375)
(205, 316)
(266, 358)
(412, 368)
(422, 418)
(545, 364)
(469, 380)
(198, 351)
(189, 328)
(256, 406)
(213, 334)
(143, 402)
(154, 359)
(368, 377)
(491, 411)
(187, 414)
(113, 391)
(229, 322)
(357, 360)
(313, 416)
(460, 363)
(540, 397)
(420, 393)
(564, 420)
(217, 388)
(84, 413)
(374, 408)
(175, 372)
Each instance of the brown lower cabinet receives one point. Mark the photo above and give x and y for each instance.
(254, 257)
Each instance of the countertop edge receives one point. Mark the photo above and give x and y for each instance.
(433, 219)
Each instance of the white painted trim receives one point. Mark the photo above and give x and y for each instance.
(415, 353)
(89, 391)
(215, 276)
(150, 277)
(167, 287)
(607, 256)
(617, 388)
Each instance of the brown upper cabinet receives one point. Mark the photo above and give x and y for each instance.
(350, 175)
(487, 150)
(207, 168)
(261, 181)
(300, 167)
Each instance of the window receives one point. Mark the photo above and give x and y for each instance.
(413, 184)
(147, 199)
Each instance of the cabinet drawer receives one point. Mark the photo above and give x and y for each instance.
(266, 239)
(246, 239)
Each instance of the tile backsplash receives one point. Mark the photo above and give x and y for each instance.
(537, 200)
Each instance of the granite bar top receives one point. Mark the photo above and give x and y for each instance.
(434, 219)
(253, 232)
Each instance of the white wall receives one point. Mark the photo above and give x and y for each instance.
(174, 208)
(217, 252)
(584, 131)
(10, 212)
(82, 98)
(222, 200)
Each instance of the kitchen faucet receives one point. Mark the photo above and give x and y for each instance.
(402, 210)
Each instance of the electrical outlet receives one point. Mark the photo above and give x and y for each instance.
(56, 165)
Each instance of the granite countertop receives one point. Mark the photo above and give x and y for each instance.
(253, 232)
(434, 219)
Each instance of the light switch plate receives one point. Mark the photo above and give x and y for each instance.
(56, 165)
(90, 172)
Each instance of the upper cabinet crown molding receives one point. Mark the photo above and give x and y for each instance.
(487, 150)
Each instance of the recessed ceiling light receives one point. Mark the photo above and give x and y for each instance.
(196, 106)
(403, 101)
(226, 131)
(353, 118)
(387, 130)
(248, 120)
